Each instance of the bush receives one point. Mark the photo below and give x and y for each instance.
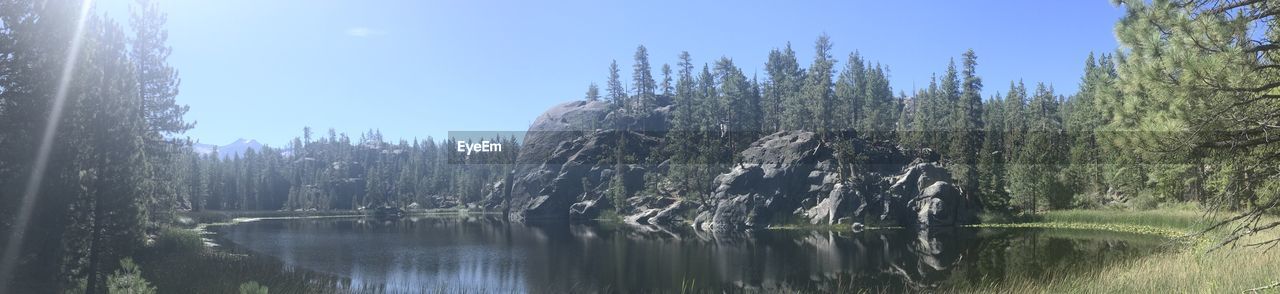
(252, 287)
(128, 280)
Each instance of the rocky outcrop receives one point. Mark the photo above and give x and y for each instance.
(655, 211)
(574, 181)
(790, 177)
(559, 124)
(568, 168)
(566, 160)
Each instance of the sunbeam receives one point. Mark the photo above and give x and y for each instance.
(13, 247)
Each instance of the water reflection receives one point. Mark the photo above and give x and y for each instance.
(486, 254)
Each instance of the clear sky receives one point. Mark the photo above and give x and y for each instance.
(264, 69)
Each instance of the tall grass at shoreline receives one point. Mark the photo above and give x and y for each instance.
(1190, 269)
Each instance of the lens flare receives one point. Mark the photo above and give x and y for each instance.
(9, 261)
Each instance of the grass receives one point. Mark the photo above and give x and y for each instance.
(173, 239)
(1189, 269)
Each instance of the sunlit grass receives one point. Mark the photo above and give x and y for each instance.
(1188, 269)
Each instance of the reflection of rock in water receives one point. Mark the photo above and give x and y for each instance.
(487, 254)
(894, 261)
(825, 261)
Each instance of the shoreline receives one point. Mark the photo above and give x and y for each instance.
(1184, 268)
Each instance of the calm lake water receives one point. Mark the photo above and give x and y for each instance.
(486, 254)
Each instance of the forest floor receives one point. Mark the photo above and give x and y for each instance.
(1192, 268)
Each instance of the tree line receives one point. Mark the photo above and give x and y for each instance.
(336, 172)
(1187, 118)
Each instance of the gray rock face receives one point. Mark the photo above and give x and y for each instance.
(561, 161)
(828, 210)
(941, 205)
(573, 181)
(935, 201)
(566, 168)
(779, 172)
(561, 123)
(793, 176)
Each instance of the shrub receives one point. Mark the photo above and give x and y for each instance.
(128, 280)
(252, 287)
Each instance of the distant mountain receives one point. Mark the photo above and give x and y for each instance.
(239, 147)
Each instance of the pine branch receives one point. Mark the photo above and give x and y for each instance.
(1233, 5)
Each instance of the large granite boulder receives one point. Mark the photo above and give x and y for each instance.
(796, 177)
(574, 181)
(777, 174)
(561, 123)
(565, 162)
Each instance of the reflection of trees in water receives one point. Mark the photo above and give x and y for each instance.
(1002, 256)
(562, 256)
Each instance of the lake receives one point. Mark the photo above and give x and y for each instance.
(482, 253)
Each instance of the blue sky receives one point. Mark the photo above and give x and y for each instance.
(264, 69)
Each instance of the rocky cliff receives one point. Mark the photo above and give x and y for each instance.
(795, 177)
(574, 152)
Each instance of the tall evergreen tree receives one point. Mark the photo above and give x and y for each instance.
(850, 89)
(817, 94)
(879, 108)
(1083, 118)
(157, 80)
(1034, 177)
(781, 105)
(617, 95)
(991, 164)
(740, 106)
(948, 96)
(967, 125)
(642, 76)
(666, 80)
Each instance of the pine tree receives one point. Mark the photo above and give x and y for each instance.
(1083, 118)
(642, 76)
(1033, 178)
(967, 124)
(795, 113)
(879, 108)
(926, 116)
(905, 126)
(740, 105)
(666, 80)
(780, 102)
(157, 80)
(910, 131)
(817, 93)
(110, 123)
(991, 163)
(617, 95)
(850, 89)
(682, 143)
(946, 99)
(158, 87)
(593, 92)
